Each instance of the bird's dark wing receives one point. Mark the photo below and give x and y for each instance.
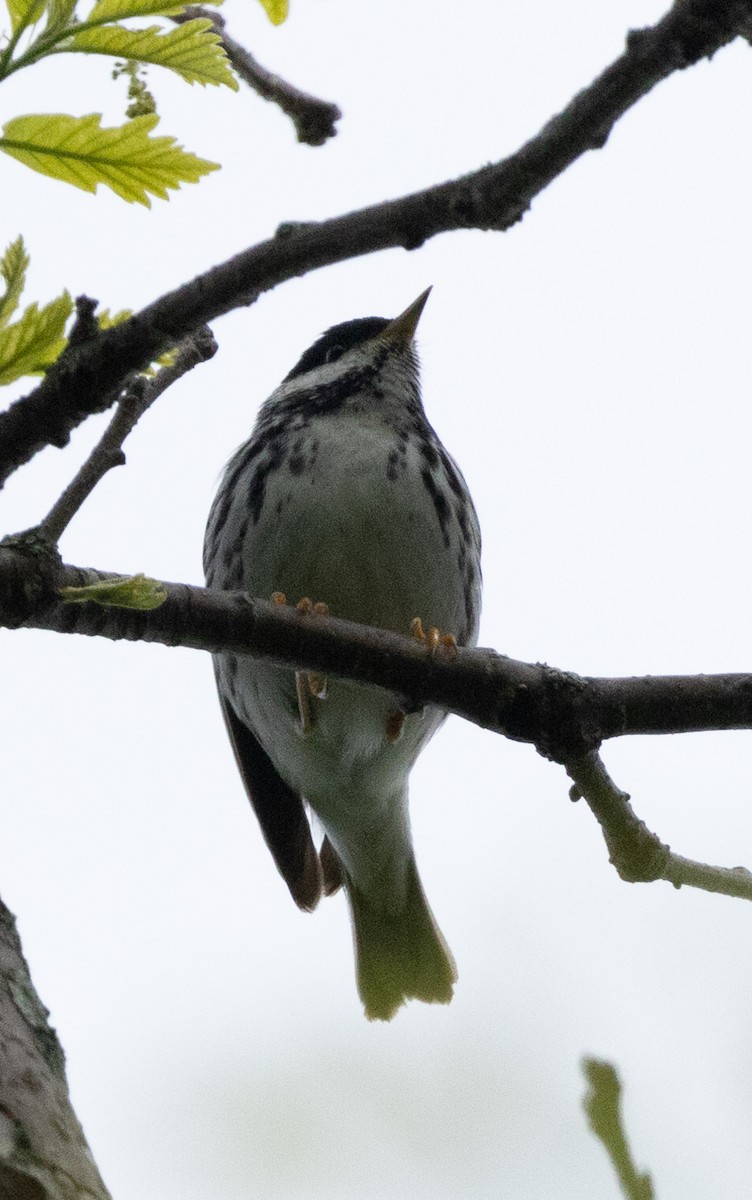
(331, 868)
(280, 813)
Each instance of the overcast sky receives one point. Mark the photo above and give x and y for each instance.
(589, 370)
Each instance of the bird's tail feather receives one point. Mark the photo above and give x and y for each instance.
(399, 955)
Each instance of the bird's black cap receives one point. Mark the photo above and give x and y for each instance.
(333, 344)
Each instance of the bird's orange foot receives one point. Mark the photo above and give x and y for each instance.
(434, 641)
(433, 638)
(309, 684)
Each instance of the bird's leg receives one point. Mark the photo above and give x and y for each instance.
(316, 682)
(308, 684)
(434, 641)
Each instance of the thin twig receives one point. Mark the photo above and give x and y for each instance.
(314, 120)
(108, 452)
(602, 1106)
(494, 197)
(729, 881)
(638, 854)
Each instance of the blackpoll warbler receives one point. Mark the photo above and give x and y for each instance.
(345, 494)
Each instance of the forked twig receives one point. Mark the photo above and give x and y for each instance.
(635, 851)
(108, 452)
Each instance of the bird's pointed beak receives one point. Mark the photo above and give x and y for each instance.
(401, 330)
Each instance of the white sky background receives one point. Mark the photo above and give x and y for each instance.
(589, 370)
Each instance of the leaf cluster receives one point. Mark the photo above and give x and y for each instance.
(128, 159)
(78, 150)
(32, 343)
(36, 339)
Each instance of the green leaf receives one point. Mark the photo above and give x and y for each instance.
(13, 266)
(136, 592)
(24, 13)
(276, 10)
(59, 13)
(32, 344)
(106, 319)
(194, 50)
(125, 159)
(119, 10)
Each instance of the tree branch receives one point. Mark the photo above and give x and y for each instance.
(565, 716)
(602, 1106)
(314, 119)
(43, 1152)
(494, 197)
(108, 452)
(638, 854)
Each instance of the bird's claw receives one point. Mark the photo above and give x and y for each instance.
(308, 684)
(434, 641)
(306, 606)
(433, 638)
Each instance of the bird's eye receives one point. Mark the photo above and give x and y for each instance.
(334, 352)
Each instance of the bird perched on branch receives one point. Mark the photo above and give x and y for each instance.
(344, 495)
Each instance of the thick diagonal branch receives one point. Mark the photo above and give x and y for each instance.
(494, 197)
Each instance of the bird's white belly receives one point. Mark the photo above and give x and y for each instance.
(371, 548)
(344, 533)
